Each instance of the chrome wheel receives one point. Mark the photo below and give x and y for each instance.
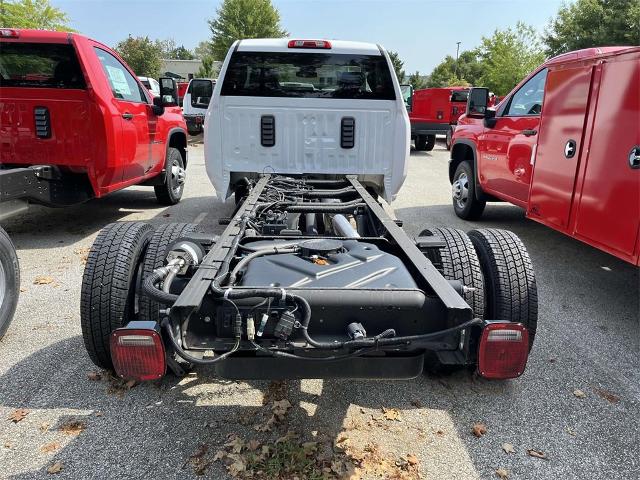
(3, 284)
(460, 190)
(178, 176)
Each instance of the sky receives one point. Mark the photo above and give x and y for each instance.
(423, 32)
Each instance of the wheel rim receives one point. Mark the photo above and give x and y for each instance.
(3, 284)
(460, 190)
(178, 175)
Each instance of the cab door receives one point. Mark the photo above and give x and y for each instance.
(508, 142)
(560, 144)
(134, 110)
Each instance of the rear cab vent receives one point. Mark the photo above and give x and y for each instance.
(267, 131)
(348, 132)
(42, 122)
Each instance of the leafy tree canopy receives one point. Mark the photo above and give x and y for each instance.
(240, 19)
(142, 55)
(38, 14)
(468, 72)
(418, 81)
(398, 65)
(593, 23)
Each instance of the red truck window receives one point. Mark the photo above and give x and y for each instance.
(123, 85)
(44, 65)
(528, 99)
(460, 96)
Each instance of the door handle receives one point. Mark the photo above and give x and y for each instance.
(634, 157)
(127, 116)
(529, 133)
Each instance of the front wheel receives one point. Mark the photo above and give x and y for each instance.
(465, 203)
(430, 143)
(170, 192)
(421, 143)
(9, 281)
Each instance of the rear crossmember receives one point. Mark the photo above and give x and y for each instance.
(312, 279)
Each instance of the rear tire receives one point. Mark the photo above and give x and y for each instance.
(449, 137)
(431, 142)
(9, 281)
(463, 188)
(458, 260)
(421, 143)
(510, 282)
(170, 192)
(108, 298)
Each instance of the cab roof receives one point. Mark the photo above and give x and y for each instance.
(588, 53)
(282, 45)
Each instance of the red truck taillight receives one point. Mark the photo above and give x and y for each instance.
(503, 350)
(322, 44)
(137, 351)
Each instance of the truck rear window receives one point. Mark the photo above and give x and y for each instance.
(308, 75)
(460, 96)
(45, 65)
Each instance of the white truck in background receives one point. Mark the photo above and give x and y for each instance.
(196, 102)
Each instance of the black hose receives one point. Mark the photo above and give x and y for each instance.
(325, 207)
(189, 358)
(150, 289)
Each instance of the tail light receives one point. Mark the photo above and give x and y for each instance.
(503, 350)
(137, 351)
(323, 44)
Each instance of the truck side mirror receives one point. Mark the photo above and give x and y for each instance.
(168, 92)
(478, 102)
(158, 106)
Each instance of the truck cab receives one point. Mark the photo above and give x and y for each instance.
(564, 145)
(320, 108)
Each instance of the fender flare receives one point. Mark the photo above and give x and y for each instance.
(453, 164)
(179, 131)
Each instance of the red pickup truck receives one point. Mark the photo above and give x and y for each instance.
(564, 145)
(76, 124)
(435, 111)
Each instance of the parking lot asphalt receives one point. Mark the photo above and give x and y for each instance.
(578, 401)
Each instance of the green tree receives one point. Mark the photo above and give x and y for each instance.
(240, 19)
(170, 49)
(398, 65)
(418, 81)
(508, 56)
(202, 50)
(143, 55)
(182, 53)
(469, 71)
(593, 23)
(37, 14)
(208, 69)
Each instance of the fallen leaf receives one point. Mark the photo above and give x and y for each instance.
(238, 466)
(537, 454)
(266, 426)
(579, 393)
(8, 445)
(55, 468)
(236, 444)
(508, 448)
(391, 414)
(72, 427)
(502, 473)
(220, 454)
(253, 445)
(44, 427)
(43, 280)
(19, 414)
(98, 414)
(50, 447)
(412, 459)
(608, 396)
(571, 432)
(280, 408)
(94, 376)
(479, 429)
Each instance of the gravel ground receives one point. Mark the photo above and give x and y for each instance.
(588, 339)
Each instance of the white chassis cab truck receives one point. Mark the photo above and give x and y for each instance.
(310, 278)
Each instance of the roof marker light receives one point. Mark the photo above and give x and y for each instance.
(322, 44)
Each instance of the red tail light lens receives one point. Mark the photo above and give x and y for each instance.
(503, 350)
(309, 44)
(138, 353)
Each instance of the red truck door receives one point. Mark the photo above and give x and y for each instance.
(608, 213)
(560, 148)
(507, 146)
(133, 109)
